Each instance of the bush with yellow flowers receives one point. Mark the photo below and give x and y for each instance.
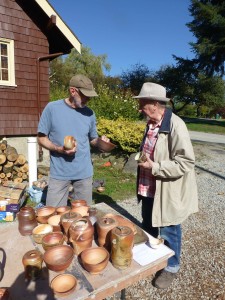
(126, 134)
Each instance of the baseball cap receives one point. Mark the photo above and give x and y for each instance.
(84, 84)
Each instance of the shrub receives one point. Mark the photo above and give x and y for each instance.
(114, 103)
(127, 135)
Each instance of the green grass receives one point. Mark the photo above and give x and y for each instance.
(205, 125)
(118, 185)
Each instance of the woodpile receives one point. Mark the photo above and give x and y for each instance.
(13, 166)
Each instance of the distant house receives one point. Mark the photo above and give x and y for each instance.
(31, 34)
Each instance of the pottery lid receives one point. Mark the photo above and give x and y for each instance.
(122, 230)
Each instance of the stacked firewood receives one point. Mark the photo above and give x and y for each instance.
(13, 166)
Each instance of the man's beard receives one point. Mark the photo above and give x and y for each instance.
(77, 103)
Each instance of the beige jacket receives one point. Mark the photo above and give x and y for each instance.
(174, 160)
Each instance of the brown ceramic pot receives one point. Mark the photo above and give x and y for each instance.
(122, 241)
(62, 210)
(43, 213)
(83, 210)
(4, 294)
(55, 221)
(32, 261)
(26, 220)
(81, 234)
(78, 202)
(66, 220)
(104, 227)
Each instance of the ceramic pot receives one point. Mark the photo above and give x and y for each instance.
(81, 234)
(4, 294)
(104, 227)
(92, 213)
(62, 210)
(55, 222)
(43, 213)
(79, 202)
(83, 210)
(122, 241)
(66, 220)
(32, 261)
(69, 142)
(26, 220)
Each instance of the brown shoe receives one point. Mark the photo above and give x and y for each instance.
(163, 279)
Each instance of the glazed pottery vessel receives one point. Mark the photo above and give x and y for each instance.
(5, 294)
(78, 202)
(122, 241)
(66, 220)
(43, 213)
(52, 239)
(26, 220)
(32, 261)
(58, 258)
(39, 231)
(104, 226)
(69, 142)
(60, 210)
(55, 221)
(63, 284)
(81, 234)
(95, 259)
(83, 210)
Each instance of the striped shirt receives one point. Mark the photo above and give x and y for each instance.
(147, 182)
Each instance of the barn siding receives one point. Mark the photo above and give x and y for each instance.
(18, 105)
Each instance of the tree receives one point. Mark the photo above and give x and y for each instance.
(187, 85)
(208, 26)
(93, 66)
(135, 77)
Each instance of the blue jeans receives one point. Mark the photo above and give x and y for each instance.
(172, 235)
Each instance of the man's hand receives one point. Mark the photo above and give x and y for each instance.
(148, 164)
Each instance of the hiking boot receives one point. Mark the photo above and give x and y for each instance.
(163, 279)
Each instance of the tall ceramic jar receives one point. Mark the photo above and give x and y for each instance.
(32, 261)
(26, 220)
(81, 234)
(122, 241)
(104, 226)
(66, 220)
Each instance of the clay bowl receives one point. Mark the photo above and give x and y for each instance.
(105, 146)
(43, 213)
(63, 284)
(58, 258)
(62, 210)
(79, 202)
(155, 243)
(40, 231)
(82, 210)
(122, 221)
(52, 239)
(95, 259)
(55, 222)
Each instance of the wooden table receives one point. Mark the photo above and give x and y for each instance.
(89, 287)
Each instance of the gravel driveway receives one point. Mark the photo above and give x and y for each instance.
(202, 274)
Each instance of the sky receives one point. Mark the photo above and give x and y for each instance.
(130, 32)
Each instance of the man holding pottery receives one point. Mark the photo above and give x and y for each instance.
(71, 163)
(166, 184)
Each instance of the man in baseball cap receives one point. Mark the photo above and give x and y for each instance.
(84, 84)
(70, 117)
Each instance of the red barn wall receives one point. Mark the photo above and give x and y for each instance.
(19, 113)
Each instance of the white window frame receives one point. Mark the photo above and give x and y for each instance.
(11, 63)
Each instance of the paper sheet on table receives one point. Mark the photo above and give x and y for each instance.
(144, 254)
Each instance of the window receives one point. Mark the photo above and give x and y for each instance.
(7, 66)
